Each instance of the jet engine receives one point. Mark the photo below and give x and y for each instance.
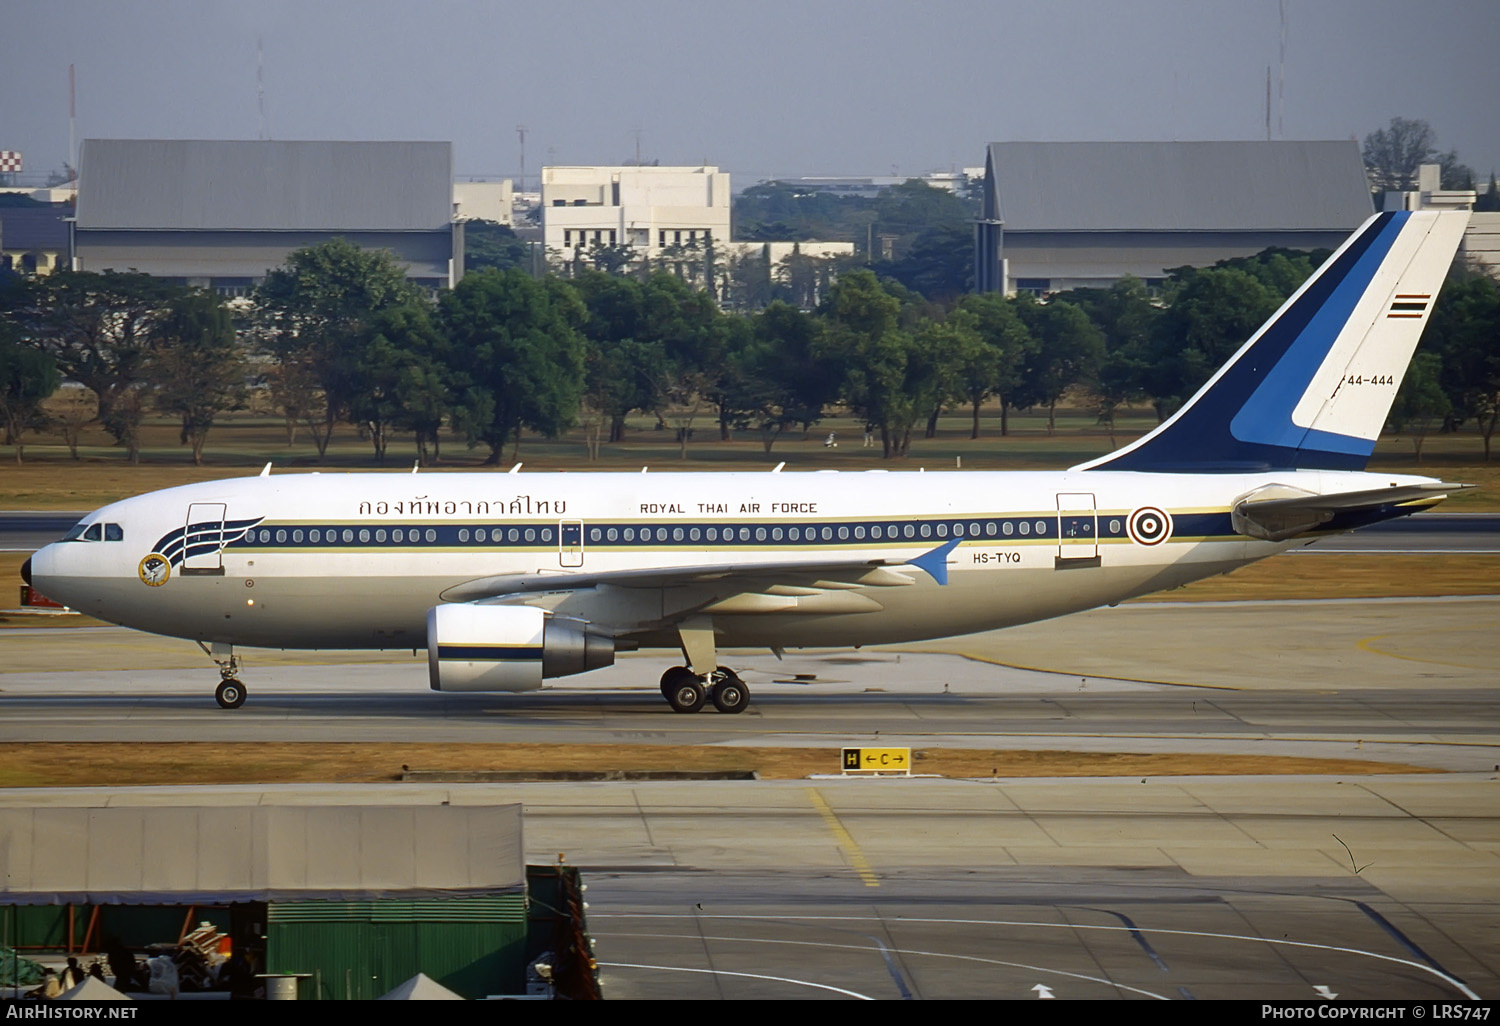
(474, 647)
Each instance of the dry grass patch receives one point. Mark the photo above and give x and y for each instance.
(49, 764)
(1313, 575)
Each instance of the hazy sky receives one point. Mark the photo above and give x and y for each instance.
(763, 88)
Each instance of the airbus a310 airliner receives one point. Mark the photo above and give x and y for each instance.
(509, 579)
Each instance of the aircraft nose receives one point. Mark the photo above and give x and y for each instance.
(26, 571)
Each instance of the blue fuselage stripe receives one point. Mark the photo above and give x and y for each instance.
(491, 653)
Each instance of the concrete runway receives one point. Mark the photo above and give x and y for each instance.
(1373, 887)
(1174, 888)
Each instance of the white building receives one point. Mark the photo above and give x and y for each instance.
(656, 211)
(484, 201)
(1480, 248)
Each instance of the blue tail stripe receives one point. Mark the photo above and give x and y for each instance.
(1266, 416)
(1201, 438)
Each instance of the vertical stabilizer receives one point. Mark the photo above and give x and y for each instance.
(1312, 388)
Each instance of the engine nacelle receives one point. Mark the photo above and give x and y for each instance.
(507, 648)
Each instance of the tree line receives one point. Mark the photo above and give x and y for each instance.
(338, 336)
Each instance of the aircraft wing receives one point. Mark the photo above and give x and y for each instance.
(781, 586)
(1272, 515)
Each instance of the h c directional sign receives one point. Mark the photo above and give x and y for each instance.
(877, 760)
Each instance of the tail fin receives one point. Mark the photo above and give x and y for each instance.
(1312, 388)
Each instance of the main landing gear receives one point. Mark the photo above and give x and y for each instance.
(230, 694)
(687, 692)
(688, 688)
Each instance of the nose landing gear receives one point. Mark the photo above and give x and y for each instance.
(230, 694)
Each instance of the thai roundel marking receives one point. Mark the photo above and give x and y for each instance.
(1149, 526)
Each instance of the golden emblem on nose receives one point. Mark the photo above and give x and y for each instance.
(154, 570)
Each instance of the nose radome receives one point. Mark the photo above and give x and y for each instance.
(26, 571)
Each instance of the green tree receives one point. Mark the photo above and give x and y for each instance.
(1421, 401)
(197, 366)
(893, 375)
(995, 354)
(1126, 316)
(939, 262)
(1489, 200)
(402, 378)
(489, 246)
(688, 325)
(1068, 351)
(310, 314)
(775, 380)
(1465, 332)
(1212, 312)
(625, 369)
(28, 376)
(1393, 154)
(100, 330)
(517, 340)
(792, 359)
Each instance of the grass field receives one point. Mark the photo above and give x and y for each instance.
(131, 765)
(243, 443)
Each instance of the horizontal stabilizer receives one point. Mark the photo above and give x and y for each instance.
(935, 563)
(1278, 516)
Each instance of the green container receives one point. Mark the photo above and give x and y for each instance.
(360, 950)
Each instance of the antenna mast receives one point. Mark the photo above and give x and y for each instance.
(72, 124)
(260, 88)
(521, 185)
(1281, 78)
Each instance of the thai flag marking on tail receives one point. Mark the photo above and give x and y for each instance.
(1410, 305)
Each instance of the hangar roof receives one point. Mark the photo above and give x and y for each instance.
(217, 185)
(1177, 186)
(34, 227)
(176, 856)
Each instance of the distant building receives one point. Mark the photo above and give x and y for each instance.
(221, 215)
(670, 214)
(484, 201)
(34, 240)
(1480, 248)
(870, 186)
(1058, 216)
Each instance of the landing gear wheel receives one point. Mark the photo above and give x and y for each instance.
(687, 696)
(729, 695)
(230, 694)
(673, 677)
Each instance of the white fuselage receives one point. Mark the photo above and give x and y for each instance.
(357, 560)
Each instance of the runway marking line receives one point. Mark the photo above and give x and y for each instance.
(908, 951)
(1368, 645)
(1452, 981)
(748, 976)
(846, 841)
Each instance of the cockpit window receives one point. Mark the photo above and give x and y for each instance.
(93, 533)
(113, 532)
(75, 532)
